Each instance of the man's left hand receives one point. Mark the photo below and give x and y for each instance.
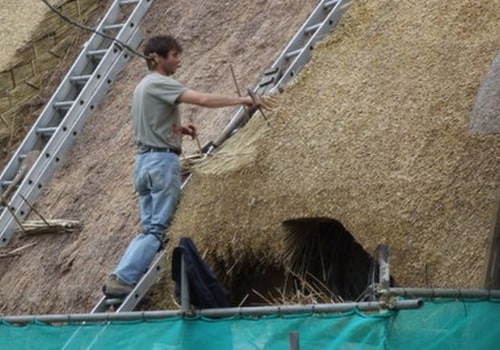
(189, 130)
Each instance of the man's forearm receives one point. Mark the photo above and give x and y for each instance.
(213, 100)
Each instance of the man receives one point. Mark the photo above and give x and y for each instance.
(158, 135)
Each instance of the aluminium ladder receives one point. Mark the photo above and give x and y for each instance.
(81, 90)
(296, 54)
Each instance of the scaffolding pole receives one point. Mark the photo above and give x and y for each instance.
(444, 293)
(215, 313)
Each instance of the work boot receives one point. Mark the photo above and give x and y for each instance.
(116, 288)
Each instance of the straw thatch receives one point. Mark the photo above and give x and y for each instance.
(19, 20)
(374, 133)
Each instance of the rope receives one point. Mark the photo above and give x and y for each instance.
(121, 44)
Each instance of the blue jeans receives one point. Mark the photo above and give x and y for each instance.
(157, 181)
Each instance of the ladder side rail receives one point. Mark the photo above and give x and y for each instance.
(136, 295)
(100, 306)
(236, 120)
(54, 151)
(301, 59)
(144, 284)
(32, 139)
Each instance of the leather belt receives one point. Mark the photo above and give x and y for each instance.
(148, 149)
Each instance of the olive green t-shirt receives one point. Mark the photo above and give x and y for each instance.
(155, 112)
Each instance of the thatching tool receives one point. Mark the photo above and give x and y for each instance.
(234, 79)
(251, 94)
(257, 103)
(194, 136)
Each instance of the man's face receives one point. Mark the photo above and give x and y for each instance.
(170, 64)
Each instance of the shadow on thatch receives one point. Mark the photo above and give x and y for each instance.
(485, 116)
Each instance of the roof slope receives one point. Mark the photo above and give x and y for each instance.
(374, 133)
(64, 273)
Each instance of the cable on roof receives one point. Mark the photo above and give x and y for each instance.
(121, 44)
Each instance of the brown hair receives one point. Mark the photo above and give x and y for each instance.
(161, 45)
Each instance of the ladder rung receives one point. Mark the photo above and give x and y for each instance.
(113, 301)
(330, 3)
(46, 131)
(97, 53)
(6, 183)
(294, 53)
(79, 79)
(110, 27)
(128, 2)
(271, 71)
(312, 28)
(63, 104)
(266, 82)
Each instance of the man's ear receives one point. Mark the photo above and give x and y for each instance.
(153, 61)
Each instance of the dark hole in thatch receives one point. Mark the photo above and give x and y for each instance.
(326, 260)
(322, 263)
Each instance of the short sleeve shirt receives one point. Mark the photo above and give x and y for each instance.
(155, 112)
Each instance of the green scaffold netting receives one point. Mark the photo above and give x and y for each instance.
(439, 324)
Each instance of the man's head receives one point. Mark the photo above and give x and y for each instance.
(164, 52)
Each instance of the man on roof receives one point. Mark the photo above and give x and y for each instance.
(158, 136)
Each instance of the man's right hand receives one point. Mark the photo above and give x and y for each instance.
(249, 102)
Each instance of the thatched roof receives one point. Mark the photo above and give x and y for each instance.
(36, 45)
(64, 273)
(23, 22)
(374, 134)
(19, 19)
